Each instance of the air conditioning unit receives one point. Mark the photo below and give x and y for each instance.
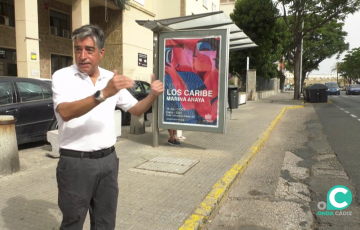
(4, 20)
(53, 31)
(66, 34)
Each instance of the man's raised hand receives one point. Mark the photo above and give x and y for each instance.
(117, 83)
(157, 87)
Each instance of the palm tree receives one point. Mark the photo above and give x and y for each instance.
(336, 68)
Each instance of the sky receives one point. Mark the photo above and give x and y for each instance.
(352, 27)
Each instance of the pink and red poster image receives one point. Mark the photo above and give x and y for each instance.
(192, 81)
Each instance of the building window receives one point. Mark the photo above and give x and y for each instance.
(214, 7)
(59, 24)
(205, 3)
(8, 66)
(59, 62)
(7, 13)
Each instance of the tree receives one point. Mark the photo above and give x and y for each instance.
(322, 43)
(318, 12)
(350, 67)
(258, 20)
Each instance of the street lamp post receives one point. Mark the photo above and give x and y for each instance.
(337, 72)
(301, 62)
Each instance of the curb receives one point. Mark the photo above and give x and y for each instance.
(212, 200)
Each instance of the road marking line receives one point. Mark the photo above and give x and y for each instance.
(353, 115)
(346, 111)
(358, 119)
(214, 197)
(341, 108)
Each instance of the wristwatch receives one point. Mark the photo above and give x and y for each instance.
(99, 96)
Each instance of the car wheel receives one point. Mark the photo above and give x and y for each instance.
(54, 126)
(126, 118)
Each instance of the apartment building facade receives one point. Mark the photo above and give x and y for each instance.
(37, 41)
(227, 6)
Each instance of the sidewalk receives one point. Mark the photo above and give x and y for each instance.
(147, 199)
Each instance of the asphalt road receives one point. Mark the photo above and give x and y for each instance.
(341, 121)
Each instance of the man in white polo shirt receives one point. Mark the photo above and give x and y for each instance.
(85, 97)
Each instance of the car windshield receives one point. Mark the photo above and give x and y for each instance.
(331, 85)
(49, 82)
(354, 86)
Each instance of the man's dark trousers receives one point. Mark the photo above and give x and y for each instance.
(87, 184)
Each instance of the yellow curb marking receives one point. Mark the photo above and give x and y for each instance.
(211, 201)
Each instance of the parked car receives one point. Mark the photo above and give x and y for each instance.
(352, 89)
(30, 102)
(140, 90)
(333, 88)
(48, 81)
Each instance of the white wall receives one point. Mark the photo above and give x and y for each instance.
(227, 8)
(197, 6)
(137, 39)
(167, 8)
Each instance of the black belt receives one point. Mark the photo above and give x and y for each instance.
(91, 155)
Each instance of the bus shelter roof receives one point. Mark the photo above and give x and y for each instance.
(214, 20)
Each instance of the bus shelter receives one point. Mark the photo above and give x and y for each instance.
(191, 58)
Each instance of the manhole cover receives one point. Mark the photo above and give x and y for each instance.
(168, 165)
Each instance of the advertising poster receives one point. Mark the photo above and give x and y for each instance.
(191, 81)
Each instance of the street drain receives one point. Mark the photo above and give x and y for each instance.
(168, 165)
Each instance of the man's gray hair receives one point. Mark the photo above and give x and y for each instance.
(90, 31)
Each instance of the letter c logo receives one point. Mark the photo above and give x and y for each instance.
(343, 198)
(332, 198)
